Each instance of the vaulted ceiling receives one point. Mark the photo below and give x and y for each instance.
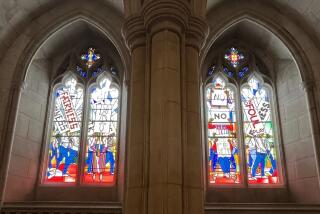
(305, 10)
(17, 13)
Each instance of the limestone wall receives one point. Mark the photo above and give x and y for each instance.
(28, 137)
(297, 135)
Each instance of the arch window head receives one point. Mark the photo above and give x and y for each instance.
(83, 124)
(242, 139)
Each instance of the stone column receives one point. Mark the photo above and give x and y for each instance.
(165, 178)
(170, 180)
(193, 152)
(135, 194)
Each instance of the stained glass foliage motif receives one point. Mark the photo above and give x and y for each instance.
(101, 147)
(234, 57)
(65, 134)
(81, 72)
(224, 161)
(243, 72)
(211, 70)
(86, 74)
(90, 57)
(261, 154)
(228, 72)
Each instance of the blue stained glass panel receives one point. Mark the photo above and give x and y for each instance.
(228, 72)
(243, 72)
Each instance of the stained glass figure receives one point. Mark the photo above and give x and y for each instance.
(65, 133)
(101, 147)
(261, 154)
(223, 163)
(233, 57)
(90, 58)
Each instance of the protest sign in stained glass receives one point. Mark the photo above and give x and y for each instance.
(222, 142)
(101, 146)
(64, 139)
(261, 154)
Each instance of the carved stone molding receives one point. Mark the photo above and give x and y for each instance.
(21, 85)
(134, 32)
(165, 15)
(197, 32)
(307, 85)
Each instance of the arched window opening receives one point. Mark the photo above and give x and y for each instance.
(84, 124)
(241, 131)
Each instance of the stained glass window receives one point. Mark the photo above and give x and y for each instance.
(90, 57)
(65, 132)
(222, 139)
(83, 125)
(261, 153)
(233, 56)
(242, 141)
(101, 147)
